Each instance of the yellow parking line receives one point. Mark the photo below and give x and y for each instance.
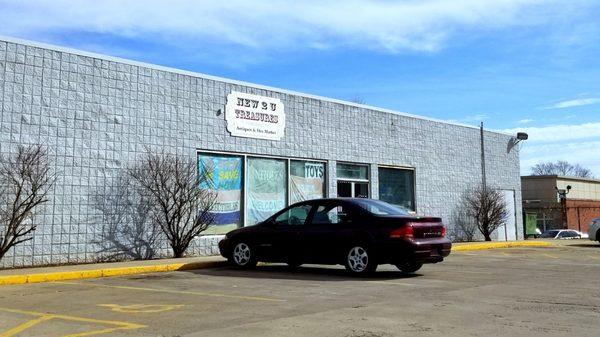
(21, 327)
(172, 291)
(46, 317)
(395, 283)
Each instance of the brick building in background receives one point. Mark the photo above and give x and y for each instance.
(582, 203)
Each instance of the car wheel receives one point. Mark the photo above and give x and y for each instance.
(242, 256)
(409, 266)
(359, 261)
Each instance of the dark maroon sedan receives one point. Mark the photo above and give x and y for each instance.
(358, 233)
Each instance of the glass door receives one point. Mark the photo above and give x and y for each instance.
(352, 189)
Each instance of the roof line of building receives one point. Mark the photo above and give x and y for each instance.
(591, 180)
(226, 80)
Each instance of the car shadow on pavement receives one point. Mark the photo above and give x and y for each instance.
(306, 272)
(585, 245)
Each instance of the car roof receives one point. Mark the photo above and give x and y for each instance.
(351, 200)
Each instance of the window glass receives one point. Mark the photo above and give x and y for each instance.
(378, 207)
(293, 216)
(224, 177)
(549, 234)
(307, 180)
(349, 171)
(396, 187)
(267, 188)
(332, 214)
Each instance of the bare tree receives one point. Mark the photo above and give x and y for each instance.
(128, 230)
(357, 99)
(487, 207)
(179, 206)
(561, 168)
(25, 180)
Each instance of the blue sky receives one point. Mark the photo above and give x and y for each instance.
(526, 65)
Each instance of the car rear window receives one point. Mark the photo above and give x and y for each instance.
(549, 234)
(378, 207)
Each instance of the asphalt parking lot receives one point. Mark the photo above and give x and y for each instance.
(504, 292)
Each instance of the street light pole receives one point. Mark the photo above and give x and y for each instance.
(483, 175)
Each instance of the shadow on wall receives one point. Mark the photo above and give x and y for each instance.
(125, 228)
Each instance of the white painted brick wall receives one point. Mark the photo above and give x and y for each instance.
(96, 116)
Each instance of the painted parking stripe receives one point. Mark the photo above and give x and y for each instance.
(42, 317)
(173, 291)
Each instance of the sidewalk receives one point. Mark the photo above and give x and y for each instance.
(95, 270)
(469, 246)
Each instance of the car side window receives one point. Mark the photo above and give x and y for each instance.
(294, 216)
(332, 214)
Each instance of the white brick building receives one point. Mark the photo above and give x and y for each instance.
(96, 114)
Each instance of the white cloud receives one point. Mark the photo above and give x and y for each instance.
(391, 26)
(525, 121)
(577, 144)
(559, 133)
(574, 102)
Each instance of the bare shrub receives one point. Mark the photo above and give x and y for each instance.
(25, 180)
(487, 207)
(179, 206)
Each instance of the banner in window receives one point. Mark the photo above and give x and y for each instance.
(267, 188)
(225, 175)
(307, 180)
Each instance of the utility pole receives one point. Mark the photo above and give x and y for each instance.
(483, 177)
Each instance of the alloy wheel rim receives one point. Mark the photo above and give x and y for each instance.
(241, 254)
(358, 259)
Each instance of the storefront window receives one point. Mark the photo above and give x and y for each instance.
(225, 178)
(396, 187)
(307, 180)
(354, 172)
(267, 188)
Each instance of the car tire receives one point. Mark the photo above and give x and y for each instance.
(409, 267)
(242, 256)
(359, 260)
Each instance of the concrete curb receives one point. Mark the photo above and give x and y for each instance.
(105, 272)
(495, 245)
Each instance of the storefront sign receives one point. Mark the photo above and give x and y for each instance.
(254, 116)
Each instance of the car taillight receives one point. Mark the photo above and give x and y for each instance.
(405, 232)
(443, 231)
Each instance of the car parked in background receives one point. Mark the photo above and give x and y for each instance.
(358, 233)
(594, 230)
(563, 234)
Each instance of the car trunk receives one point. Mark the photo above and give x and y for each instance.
(415, 227)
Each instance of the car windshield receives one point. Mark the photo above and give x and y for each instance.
(549, 234)
(380, 207)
